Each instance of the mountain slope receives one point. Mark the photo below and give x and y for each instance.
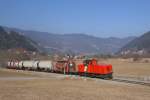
(141, 43)
(10, 40)
(78, 43)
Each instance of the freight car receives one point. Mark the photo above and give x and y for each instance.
(12, 64)
(89, 67)
(65, 66)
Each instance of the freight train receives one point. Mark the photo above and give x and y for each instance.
(88, 67)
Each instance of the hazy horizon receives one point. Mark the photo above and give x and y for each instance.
(72, 33)
(100, 18)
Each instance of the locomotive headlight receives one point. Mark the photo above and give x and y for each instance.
(85, 68)
(71, 65)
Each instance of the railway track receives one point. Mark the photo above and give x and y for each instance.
(131, 81)
(125, 80)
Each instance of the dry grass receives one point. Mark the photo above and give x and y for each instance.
(128, 67)
(44, 87)
(13, 73)
(53, 89)
(68, 89)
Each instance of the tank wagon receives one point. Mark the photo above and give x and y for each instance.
(89, 67)
(13, 64)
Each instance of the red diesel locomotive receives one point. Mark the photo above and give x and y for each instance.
(91, 68)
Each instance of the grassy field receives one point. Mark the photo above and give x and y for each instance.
(4, 73)
(126, 67)
(28, 85)
(66, 88)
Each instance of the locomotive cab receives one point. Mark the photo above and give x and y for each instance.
(90, 62)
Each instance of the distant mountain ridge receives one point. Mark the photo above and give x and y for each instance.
(77, 43)
(11, 40)
(139, 45)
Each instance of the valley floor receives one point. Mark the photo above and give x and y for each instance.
(26, 85)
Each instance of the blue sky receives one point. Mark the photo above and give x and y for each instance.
(103, 18)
